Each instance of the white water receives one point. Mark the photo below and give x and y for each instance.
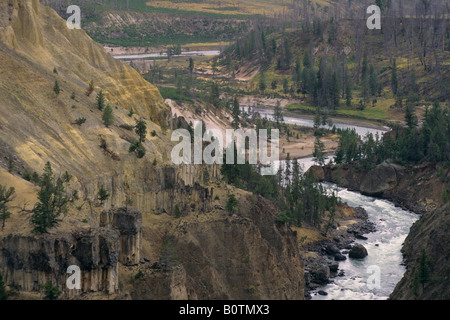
(383, 247)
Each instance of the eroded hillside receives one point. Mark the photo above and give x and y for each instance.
(39, 125)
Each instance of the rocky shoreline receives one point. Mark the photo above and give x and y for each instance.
(323, 266)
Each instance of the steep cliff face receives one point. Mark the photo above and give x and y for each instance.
(426, 248)
(128, 222)
(418, 189)
(28, 262)
(242, 256)
(37, 126)
(29, 259)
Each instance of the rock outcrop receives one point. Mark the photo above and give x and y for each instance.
(243, 256)
(128, 222)
(418, 189)
(381, 179)
(27, 262)
(426, 247)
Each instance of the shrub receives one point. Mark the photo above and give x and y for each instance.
(80, 121)
(108, 116)
(128, 127)
(51, 292)
(56, 88)
(138, 148)
(231, 203)
(139, 274)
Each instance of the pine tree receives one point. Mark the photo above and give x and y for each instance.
(4, 215)
(410, 117)
(262, 83)
(317, 117)
(278, 114)
(50, 292)
(214, 96)
(235, 113)
(141, 130)
(139, 149)
(297, 74)
(307, 60)
(285, 86)
(296, 182)
(56, 88)
(52, 201)
(365, 78)
(231, 203)
(334, 91)
(287, 170)
(348, 95)
(424, 268)
(287, 54)
(318, 153)
(102, 195)
(206, 176)
(274, 84)
(100, 100)
(6, 195)
(108, 116)
(373, 81)
(191, 65)
(394, 80)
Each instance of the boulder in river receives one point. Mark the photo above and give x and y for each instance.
(340, 257)
(358, 251)
(333, 266)
(331, 249)
(320, 274)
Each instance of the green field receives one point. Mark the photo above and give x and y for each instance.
(381, 111)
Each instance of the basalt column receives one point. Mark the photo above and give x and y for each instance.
(128, 222)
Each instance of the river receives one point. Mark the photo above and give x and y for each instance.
(164, 54)
(362, 128)
(384, 260)
(383, 246)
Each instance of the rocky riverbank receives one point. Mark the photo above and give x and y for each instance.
(419, 189)
(322, 257)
